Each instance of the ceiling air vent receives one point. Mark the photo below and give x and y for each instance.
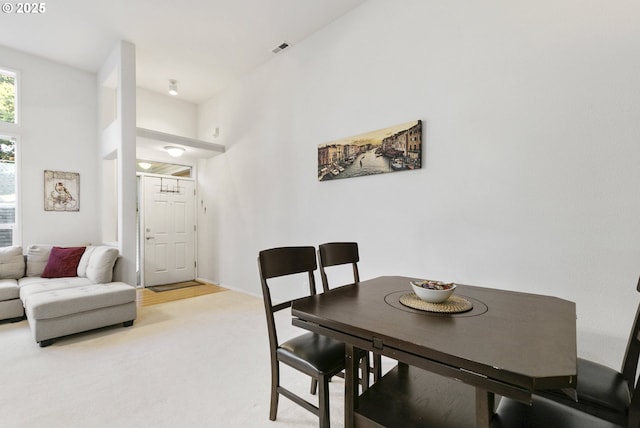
(281, 47)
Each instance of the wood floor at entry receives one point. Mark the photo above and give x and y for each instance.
(147, 297)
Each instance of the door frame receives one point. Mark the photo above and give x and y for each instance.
(141, 223)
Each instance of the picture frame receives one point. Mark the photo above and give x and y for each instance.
(391, 149)
(61, 191)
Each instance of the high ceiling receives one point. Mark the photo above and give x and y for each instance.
(203, 44)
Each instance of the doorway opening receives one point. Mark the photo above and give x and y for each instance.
(166, 238)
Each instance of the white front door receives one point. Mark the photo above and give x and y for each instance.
(169, 223)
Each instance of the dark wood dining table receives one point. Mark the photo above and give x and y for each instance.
(450, 367)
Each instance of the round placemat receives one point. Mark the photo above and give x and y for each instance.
(452, 305)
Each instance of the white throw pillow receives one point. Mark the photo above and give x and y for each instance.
(84, 261)
(37, 258)
(100, 267)
(11, 263)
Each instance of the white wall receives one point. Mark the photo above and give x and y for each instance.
(531, 152)
(118, 153)
(57, 132)
(166, 114)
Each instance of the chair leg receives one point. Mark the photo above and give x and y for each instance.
(275, 382)
(314, 386)
(364, 371)
(323, 401)
(377, 367)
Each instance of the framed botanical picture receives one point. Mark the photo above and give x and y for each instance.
(61, 191)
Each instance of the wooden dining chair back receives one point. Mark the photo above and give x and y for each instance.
(547, 412)
(315, 355)
(544, 413)
(343, 253)
(632, 353)
(604, 392)
(338, 253)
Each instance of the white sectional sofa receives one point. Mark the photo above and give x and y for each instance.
(40, 286)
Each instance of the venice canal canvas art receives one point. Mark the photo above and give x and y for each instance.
(391, 149)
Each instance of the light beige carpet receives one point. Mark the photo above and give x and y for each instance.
(200, 362)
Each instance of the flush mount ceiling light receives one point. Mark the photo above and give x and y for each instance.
(144, 165)
(174, 151)
(173, 87)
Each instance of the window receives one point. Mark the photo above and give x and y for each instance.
(8, 96)
(151, 167)
(7, 190)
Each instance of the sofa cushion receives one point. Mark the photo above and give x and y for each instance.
(58, 303)
(100, 267)
(33, 285)
(63, 262)
(8, 289)
(11, 309)
(37, 257)
(11, 263)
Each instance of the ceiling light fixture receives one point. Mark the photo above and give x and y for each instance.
(173, 87)
(144, 165)
(174, 151)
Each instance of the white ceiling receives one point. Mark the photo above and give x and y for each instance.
(203, 44)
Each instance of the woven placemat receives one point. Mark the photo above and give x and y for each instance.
(453, 305)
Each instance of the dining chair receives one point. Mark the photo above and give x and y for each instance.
(604, 392)
(543, 413)
(342, 253)
(318, 356)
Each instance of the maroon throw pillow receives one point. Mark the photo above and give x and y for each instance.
(63, 262)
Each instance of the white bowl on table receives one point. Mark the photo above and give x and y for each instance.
(433, 291)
